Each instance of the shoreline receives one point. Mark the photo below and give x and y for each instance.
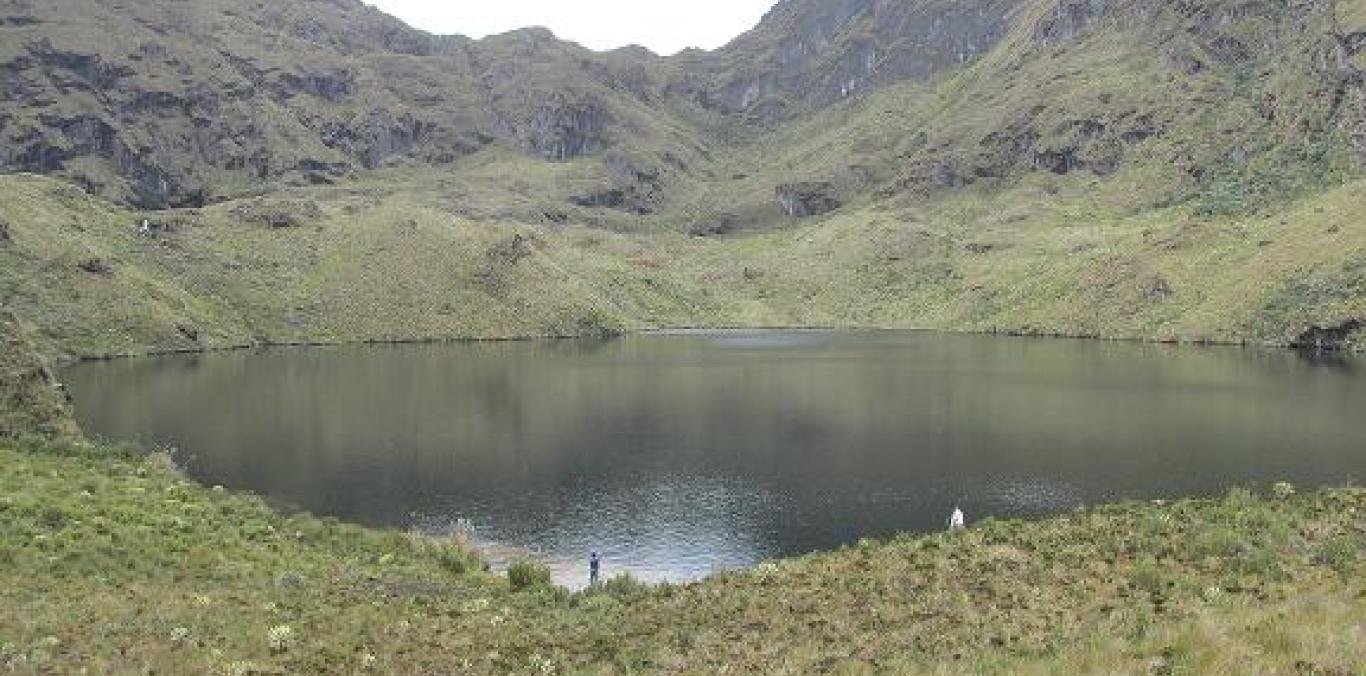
(68, 360)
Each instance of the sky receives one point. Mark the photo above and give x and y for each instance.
(664, 26)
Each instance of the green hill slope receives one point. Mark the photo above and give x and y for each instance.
(31, 404)
(1128, 168)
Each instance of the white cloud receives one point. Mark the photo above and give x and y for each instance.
(665, 26)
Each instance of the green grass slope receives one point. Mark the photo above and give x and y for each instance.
(30, 403)
(116, 564)
(391, 259)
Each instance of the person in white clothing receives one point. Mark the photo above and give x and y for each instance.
(956, 520)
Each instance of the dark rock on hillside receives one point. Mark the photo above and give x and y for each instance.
(561, 130)
(1354, 43)
(5, 237)
(1069, 19)
(638, 187)
(810, 198)
(96, 266)
(333, 86)
(611, 198)
(78, 70)
(380, 135)
(715, 227)
(1328, 338)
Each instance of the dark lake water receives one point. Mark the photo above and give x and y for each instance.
(677, 455)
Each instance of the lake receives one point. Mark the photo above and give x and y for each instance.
(676, 455)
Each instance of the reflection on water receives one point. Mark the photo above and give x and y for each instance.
(677, 455)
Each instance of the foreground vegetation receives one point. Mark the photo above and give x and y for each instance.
(30, 401)
(114, 563)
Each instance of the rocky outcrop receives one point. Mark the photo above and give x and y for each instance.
(1328, 338)
(810, 198)
(96, 266)
(332, 86)
(561, 130)
(638, 187)
(723, 224)
(1354, 43)
(1069, 19)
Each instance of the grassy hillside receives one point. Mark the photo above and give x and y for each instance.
(391, 259)
(1061, 175)
(30, 403)
(116, 564)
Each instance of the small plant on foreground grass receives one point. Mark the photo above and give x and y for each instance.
(1283, 490)
(457, 560)
(527, 574)
(1341, 553)
(281, 638)
(163, 459)
(623, 587)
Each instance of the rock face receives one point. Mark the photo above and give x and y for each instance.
(179, 103)
(559, 130)
(811, 53)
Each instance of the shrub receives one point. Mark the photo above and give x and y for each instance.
(290, 580)
(163, 460)
(281, 638)
(1218, 541)
(1260, 561)
(1240, 498)
(457, 560)
(1149, 577)
(1341, 553)
(625, 588)
(526, 574)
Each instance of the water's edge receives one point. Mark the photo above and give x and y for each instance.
(69, 359)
